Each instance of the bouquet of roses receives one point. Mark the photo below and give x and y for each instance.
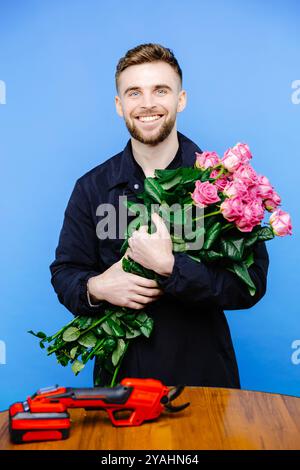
(220, 203)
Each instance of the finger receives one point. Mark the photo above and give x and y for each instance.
(129, 253)
(143, 229)
(126, 252)
(160, 225)
(143, 281)
(148, 291)
(141, 299)
(134, 234)
(135, 305)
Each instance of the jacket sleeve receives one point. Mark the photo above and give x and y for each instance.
(76, 256)
(194, 281)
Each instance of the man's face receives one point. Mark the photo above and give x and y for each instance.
(151, 89)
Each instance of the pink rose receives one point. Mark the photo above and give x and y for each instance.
(236, 156)
(221, 182)
(245, 215)
(253, 213)
(273, 202)
(247, 174)
(253, 193)
(207, 159)
(244, 151)
(244, 224)
(232, 208)
(205, 194)
(236, 188)
(264, 189)
(280, 222)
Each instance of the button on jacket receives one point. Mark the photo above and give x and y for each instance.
(191, 342)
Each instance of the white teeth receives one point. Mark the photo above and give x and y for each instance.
(148, 118)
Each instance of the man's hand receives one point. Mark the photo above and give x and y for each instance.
(118, 287)
(153, 251)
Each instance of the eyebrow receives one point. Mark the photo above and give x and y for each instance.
(162, 85)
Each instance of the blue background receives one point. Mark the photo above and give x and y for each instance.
(58, 60)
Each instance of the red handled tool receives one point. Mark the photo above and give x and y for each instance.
(44, 415)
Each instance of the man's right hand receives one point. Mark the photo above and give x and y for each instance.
(118, 287)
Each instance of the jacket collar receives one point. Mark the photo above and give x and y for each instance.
(126, 168)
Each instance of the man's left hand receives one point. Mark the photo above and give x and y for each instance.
(153, 251)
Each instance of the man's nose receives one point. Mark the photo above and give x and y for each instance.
(147, 100)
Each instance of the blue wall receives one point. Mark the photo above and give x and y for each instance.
(57, 60)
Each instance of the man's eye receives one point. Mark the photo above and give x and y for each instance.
(130, 94)
(161, 89)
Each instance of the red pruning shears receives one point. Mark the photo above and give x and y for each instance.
(44, 416)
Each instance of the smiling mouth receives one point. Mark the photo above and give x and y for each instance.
(149, 119)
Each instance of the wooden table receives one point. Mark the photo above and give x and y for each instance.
(217, 418)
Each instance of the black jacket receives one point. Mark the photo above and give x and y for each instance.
(191, 341)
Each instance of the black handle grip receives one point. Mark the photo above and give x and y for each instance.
(114, 395)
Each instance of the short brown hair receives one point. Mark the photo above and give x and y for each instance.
(147, 53)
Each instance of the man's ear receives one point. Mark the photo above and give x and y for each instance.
(119, 108)
(182, 100)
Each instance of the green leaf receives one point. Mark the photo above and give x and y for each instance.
(116, 329)
(206, 173)
(242, 272)
(106, 328)
(153, 188)
(100, 354)
(233, 248)
(73, 352)
(171, 182)
(118, 352)
(88, 340)
(251, 239)
(132, 333)
(212, 235)
(71, 334)
(141, 317)
(77, 366)
(147, 327)
(99, 330)
(109, 344)
(190, 175)
(265, 233)
(167, 175)
(83, 322)
(249, 260)
(39, 334)
(62, 359)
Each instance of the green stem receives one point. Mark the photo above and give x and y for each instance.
(227, 227)
(101, 320)
(94, 350)
(62, 329)
(112, 384)
(220, 174)
(208, 215)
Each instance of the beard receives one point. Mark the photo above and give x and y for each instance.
(158, 135)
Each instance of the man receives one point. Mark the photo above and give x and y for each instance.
(191, 341)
